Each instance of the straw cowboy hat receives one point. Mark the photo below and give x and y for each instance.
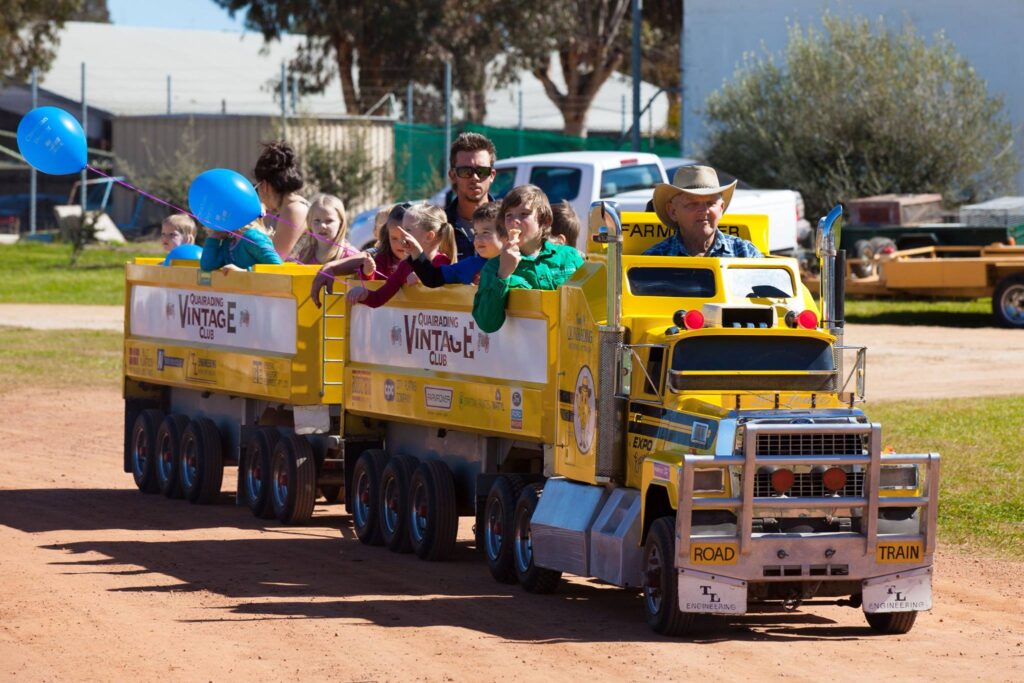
(699, 181)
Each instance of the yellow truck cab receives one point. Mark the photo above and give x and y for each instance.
(682, 426)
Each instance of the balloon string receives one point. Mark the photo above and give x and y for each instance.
(198, 220)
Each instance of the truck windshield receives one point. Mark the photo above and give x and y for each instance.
(628, 178)
(718, 359)
(755, 283)
(687, 282)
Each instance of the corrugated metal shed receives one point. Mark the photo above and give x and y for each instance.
(144, 142)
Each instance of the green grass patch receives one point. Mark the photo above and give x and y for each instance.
(38, 273)
(944, 313)
(981, 497)
(64, 358)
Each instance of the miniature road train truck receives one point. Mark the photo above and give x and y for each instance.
(678, 426)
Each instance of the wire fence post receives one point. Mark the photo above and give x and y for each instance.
(519, 136)
(85, 126)
(168, 94)
(636, 75)
(622, 126)
(284, 102)
(407, 156)
(295, 96)
(447, 115)
(682, 62)
(33, 179)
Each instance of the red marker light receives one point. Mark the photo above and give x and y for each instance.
(782, 480)
(627, 162)
(807, 319)
(834, 479)
(693, 320)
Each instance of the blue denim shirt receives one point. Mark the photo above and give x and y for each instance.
(724, 246)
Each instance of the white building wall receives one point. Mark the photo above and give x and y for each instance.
(988, 33)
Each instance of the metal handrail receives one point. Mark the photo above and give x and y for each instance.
(750, 460)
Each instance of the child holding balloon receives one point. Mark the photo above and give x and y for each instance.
(241, 250)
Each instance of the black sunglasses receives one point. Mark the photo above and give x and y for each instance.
(480, 172)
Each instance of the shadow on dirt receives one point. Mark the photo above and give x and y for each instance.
(321, 571)
(35, 510)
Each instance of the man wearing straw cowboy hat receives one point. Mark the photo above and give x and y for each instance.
(693, 204)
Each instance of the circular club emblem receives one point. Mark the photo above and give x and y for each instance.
(584, 413)
(389, 390)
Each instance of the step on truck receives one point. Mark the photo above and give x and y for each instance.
(689, 428)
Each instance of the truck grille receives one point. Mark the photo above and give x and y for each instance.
(811, 444)
(808, 485)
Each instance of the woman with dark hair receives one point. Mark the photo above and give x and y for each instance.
(278, 181)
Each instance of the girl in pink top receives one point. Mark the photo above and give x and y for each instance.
(326, 237)
(429, 225)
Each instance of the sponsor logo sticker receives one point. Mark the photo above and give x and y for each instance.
(437, 397)
(517, 410)
(662, 471)
(584, 410)
(699, 434)
(389, 390)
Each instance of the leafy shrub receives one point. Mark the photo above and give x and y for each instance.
(859, 110)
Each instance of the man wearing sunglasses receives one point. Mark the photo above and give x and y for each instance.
(471, 172)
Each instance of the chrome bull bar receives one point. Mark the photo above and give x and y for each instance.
(746, 502)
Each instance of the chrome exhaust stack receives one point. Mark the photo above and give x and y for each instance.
(826, 246)
(832, 265)
(606, 228)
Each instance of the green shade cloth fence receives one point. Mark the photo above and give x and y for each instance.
(420, 150)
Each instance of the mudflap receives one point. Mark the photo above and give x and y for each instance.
(711, 594)
(909, 591)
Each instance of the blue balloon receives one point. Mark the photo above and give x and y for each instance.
(52, 141)
(184, 252)
(223, 200)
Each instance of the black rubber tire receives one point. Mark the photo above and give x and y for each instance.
(891, 623)
(255, 476)
(168, 448)
(332, 493)
(862, 249)
(365, 495)
(434, 530)
(532, 578)
(143, 449)
(661, 588)
(499, 521)
(201, 466)
(292, 480)
(394, 502)
(1008, 302)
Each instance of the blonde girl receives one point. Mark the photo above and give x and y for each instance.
(327, 232)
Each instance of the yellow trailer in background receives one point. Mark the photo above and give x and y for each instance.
(688, 427)
(960, 272)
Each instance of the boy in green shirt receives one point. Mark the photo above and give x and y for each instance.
(528, 261)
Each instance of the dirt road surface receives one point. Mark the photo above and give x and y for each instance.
(99, 582)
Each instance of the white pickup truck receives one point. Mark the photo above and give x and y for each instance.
(626, 178)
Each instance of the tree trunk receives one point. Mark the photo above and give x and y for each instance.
(474, 103)
(343, 50)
